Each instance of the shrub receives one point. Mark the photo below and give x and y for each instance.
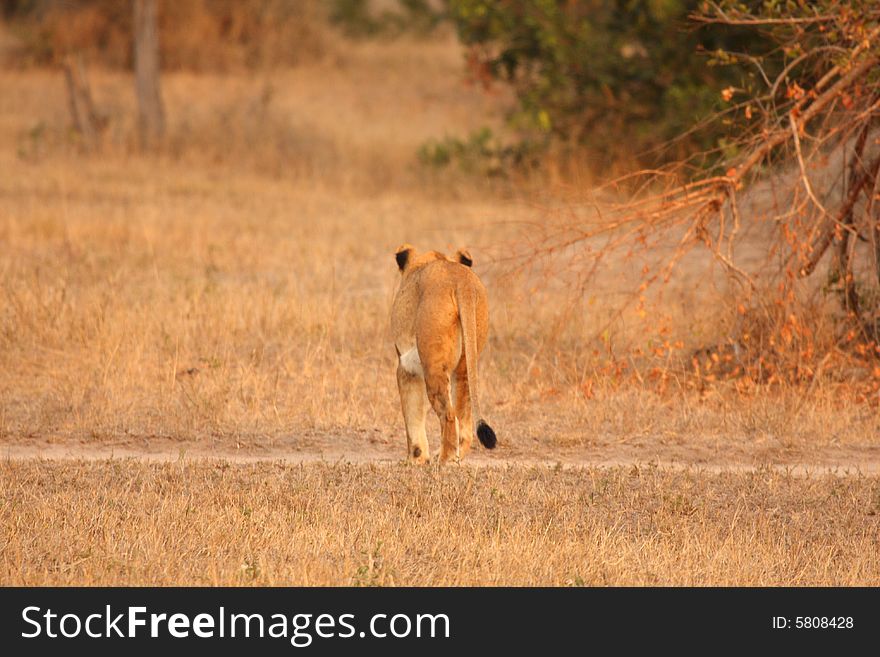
(620, 78)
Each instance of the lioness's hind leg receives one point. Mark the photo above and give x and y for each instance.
(437, 384)
(461, 395)
(414, 403)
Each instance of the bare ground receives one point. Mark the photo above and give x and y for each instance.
(361, 448)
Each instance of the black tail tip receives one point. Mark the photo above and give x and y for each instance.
(486, 435)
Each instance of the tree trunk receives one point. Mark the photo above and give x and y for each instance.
(86, 120)
(151, 115)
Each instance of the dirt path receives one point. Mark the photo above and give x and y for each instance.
(341, 449)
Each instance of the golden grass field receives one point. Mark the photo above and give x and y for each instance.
(212, 523)
(228, 298)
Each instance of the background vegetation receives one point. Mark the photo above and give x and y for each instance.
(583, 73)
(590, 74)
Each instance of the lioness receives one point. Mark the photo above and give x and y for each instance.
(440, 322)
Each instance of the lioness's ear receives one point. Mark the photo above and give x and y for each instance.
(402, 255)
(464, 257)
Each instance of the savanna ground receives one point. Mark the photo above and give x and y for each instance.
(197, 384)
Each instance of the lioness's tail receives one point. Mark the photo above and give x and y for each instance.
(467, 312)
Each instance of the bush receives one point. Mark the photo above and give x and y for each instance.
(790, 212)
(481, 153)
(620, 78)
(359, 18)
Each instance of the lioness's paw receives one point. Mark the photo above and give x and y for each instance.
(418, 456)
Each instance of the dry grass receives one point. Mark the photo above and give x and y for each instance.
(194, 287)
(124, 522)
(352, 122)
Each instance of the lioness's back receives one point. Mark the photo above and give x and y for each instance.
(440, 321)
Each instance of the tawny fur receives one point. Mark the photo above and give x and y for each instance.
(440, 323)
